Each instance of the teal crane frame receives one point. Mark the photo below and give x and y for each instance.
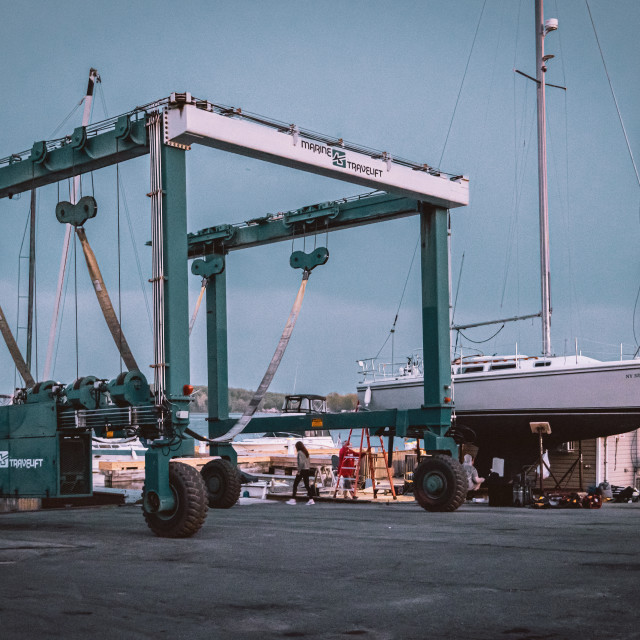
(124, 138)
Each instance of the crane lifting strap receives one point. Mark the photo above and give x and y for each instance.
(21, 365)
(198, 303)
(105, 302)
(239, 426)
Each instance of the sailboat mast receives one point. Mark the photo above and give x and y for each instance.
(542, 182)
(541, 68)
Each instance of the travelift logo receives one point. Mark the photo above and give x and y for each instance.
(339, 159)
(19, 463)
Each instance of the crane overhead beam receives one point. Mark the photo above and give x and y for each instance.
(319, 218)
(189, 121)
(77, 154)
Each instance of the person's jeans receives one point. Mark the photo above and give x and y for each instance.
(303, 475)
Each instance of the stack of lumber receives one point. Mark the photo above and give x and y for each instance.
(120, 473)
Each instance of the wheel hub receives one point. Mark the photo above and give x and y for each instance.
(167, 515)
(214, 484)
(434, 484)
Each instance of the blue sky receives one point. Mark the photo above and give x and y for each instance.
(386, 75)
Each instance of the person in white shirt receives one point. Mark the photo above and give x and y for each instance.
(304, 472)
(473, 478)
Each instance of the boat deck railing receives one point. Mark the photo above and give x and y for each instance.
(372, 369)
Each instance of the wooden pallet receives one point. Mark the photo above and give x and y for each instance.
(138, 465)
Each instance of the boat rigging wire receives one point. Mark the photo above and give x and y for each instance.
(481, 341)
(613, 94)
(122, 194)
(626, 139)
(143, 285)
(67, 118)
(520, 166)
(20, 256)
(395, 320)
(21, 366)
(464, 75)
(455, 303)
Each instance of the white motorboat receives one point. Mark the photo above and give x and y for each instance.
(281, 442)
(495, 398)
(284, 443)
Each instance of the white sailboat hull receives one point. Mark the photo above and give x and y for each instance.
(580, 402)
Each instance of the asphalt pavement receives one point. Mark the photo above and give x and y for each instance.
(264, 569)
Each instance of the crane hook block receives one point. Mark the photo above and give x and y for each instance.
(77, 214)
(309, 261)
(212, 266)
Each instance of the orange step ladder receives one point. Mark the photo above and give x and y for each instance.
(351, 464)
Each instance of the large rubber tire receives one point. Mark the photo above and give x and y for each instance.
(222, 482)
(440, 483)
(190, 511)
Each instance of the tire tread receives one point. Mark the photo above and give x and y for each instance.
(457, 495)
(192, 508)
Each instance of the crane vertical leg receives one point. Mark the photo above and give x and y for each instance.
(435, 319)
(217, 363)
(174, 503)
(176, 295)
(440, 482)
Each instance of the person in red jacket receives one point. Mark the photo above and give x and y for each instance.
(347, 463)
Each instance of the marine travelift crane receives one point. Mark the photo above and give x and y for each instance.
(45, 435)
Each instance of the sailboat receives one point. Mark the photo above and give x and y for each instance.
(496, 398)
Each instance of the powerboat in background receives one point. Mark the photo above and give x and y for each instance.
(282, 442)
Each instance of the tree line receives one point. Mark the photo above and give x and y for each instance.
(239, 400)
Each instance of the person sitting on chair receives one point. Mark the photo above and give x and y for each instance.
(473, 479)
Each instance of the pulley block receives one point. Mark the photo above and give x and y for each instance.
(211, 266)
(77, 214)
(309, 261)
